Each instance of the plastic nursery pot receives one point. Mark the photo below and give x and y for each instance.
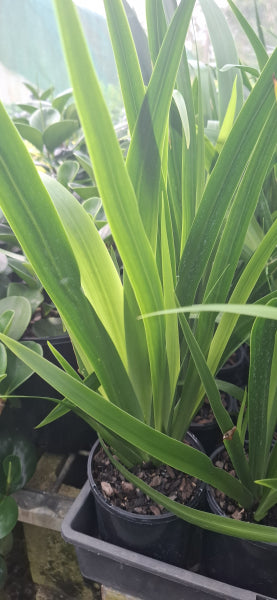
(208, 433)
(249, 565)
(164, 537)
(236, 368)
(68, 434)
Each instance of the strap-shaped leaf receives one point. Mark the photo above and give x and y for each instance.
(262, 344)
(114, 184)
(232, 239)
(156, 444)
(102, 287)
(255, 42)
(223, 183)
(146, 148)
(127, 62)
(241, 294)
(51, 255)
(225, 52)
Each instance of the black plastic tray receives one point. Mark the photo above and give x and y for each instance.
(132, 573)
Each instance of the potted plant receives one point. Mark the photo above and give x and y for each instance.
(256, 422)
(174, 219)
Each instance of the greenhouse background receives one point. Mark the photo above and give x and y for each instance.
(30, 49)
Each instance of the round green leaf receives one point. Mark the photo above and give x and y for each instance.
(22, 314)
(31, 134)
(92, 206)
(6, 544)
(67, 172)
(33, 295)
(43, 118)
(6, 320)
(56, 133)
(70, 112)
(85, 191)
(17, 371)
(8, 515)
(25, 272)
(50, 327)
(15, 444)
(3, 359)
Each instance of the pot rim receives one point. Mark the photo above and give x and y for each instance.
(57, 339)
(120, 512)
(216, 509)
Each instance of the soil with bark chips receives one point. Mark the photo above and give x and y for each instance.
(205, 414)
(229, 506)
(119, 492)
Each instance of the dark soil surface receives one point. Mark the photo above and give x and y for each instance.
(123, 494)
(229, 506)
(205, 414)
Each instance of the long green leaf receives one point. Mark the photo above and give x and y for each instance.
(255, 42)
(128, 67)
(103, 287)
(55, 262)
(232, 239)
(115, 186)
(225, 52)
(241, 293)
(223, 183)
(234, 446)
(146, 148)
(156, 444)
(262, 343)
(253, 310)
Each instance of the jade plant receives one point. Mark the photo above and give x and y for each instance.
(179, 221)
(17, 465)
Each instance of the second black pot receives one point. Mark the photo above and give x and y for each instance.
(250, 565)
(209, 434)
(236, 368)
(164, 537)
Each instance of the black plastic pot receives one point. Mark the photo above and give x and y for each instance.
(165, 537)
(252, 565)
(133, 573)
(68, 434)
(209, 434)
(236, 370)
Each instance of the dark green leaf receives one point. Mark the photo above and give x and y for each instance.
(8, 515)
(22, 314)
(55, 134)
(31, 134)
(33, 295)
(15, 444)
